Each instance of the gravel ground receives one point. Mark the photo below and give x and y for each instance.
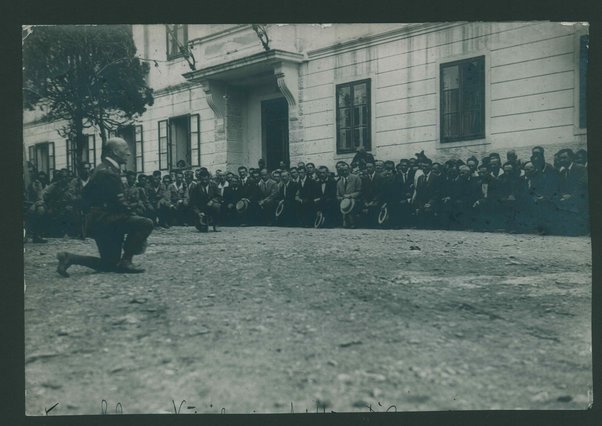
(265, 319)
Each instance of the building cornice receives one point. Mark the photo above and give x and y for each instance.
(261, 58)
(410, 30)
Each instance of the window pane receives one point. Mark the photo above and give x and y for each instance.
(138, 136)
(344, 139)
(471, 73)
(472, 98)
(366, 138)
(360, 116)
(450, 101)
(194, 160)
(451, 77)
(472, 121)
(360, 94)
(344, 118)
(138, 164)
(344, 97)
(162, 128)
(163, 159)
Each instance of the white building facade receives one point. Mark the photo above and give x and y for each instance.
(319, 91)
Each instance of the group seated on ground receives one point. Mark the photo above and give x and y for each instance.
(489, 195)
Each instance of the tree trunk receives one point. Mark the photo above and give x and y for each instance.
(103, 133)
(78, 127)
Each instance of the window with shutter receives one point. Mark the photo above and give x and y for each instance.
(163, 145)
(195, 141)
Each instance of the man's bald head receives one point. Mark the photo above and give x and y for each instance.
(118, 150)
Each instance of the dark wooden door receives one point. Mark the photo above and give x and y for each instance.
(274, 117)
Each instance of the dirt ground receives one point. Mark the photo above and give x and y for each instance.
(265, 319)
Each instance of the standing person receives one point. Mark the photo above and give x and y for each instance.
(266, 197)
(286, 196)
(108, 218)
(372, 188)
(572, 200)
(326, 196)
(305, 199)
(349, 188)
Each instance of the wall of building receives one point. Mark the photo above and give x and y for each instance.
(531, 89)
(530, 84)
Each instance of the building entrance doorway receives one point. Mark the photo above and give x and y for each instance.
(274, 124)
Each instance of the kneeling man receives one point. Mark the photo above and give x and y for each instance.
(109, 219)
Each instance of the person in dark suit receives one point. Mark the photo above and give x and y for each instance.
(326, 197)
(248, 190)
(230, 196)
(539, 209)
(287, 192)
(266, 198)
(372, 187)
(466, 197)
(485, 206)
(204, 202)
(305, 199)
(349, 186)
(109, 219)
(573, 198)
(401, 207)
(511, 198)
(452, 186)
(427, 194)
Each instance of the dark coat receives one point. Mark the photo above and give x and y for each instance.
(403, 186)
(306, 191)
(104, 199)
(428, 190)
(291, 192)
(249, 190)
(199, 196)
(372, 188)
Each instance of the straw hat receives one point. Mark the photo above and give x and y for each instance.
(383, 215)
(242, 205)
(320, 218)
(347, 205)
(280, 208)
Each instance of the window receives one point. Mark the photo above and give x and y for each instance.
(179, 140)
(139, 149)
(163, 165)
(583, 48)
(88, 152)
(462, 85)
(177, 38)
(42, 157)
(195, 141)
(353, 116)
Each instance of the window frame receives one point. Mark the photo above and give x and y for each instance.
(168, 42)
(139, 142)
(166, 151)
(578, 103)
(198, 140)
(33, 157)
(482, 134)
(351, 84)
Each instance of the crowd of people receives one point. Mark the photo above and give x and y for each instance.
(486, 195)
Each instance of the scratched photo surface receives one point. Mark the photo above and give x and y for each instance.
(454, 280)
